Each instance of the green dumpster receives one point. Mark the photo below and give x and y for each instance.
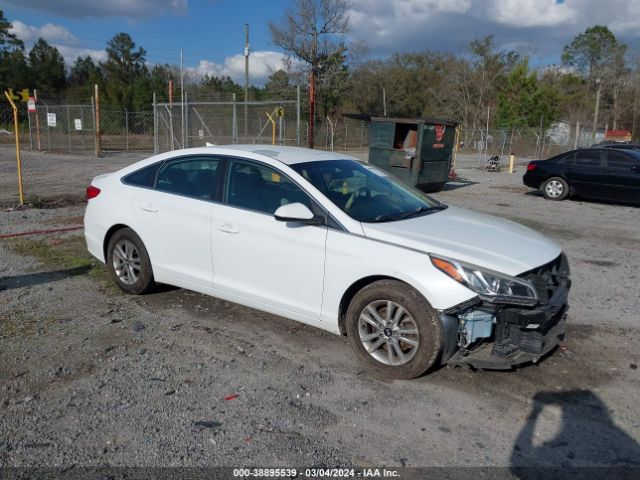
(418, 151)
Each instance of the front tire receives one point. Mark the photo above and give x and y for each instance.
(128, 262)
(555, 188)
(393, 329)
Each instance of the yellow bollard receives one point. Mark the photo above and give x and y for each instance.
(512, 160)
(15, 127)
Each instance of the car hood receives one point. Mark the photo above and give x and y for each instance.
(472, 237)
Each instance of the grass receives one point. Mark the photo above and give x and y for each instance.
(61, 253)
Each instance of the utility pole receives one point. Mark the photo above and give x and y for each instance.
(246, 81)
(594, 128)
(312, 85)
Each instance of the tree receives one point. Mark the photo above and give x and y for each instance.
(476, 79)
(47, 69)
(522, 102)
(13, 64)
(8, 40)
(310, 32)
(597, 54)
(125, 73)
(593, 52)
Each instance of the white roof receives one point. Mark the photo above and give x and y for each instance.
(287, 155)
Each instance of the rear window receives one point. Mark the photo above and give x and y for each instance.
(588, 157)
(563, 158)
(145, 177)
(620, 160)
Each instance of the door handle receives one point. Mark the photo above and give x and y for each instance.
(227, 228)
(146, 207)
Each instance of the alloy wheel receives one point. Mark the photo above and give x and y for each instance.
(126, 262)
(388, 332)
(554, 189)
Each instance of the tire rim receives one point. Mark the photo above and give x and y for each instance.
(126, 262)
(388, 332)
(554, 188)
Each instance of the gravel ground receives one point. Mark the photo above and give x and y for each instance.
(89, 376)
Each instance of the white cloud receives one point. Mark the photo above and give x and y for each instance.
(541, 26)
(49, 31)
(102, 8)
(379, 22)
(261, 65)
(60, 37)
(533, 13)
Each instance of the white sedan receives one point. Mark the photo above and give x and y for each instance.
(326, 240)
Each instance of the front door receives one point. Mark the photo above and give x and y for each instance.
(623, 177)
(258, 257)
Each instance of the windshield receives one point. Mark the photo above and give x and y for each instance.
(366, 193)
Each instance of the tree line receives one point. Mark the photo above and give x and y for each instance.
(482, 84)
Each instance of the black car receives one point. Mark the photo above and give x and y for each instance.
(602, 173)
(618, 145)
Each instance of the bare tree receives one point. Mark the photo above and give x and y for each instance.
(310, 31)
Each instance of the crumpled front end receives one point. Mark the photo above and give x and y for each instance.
(490, 335)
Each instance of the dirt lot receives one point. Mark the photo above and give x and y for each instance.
(89, 376)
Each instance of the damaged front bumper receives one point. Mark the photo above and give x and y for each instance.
(501, 336)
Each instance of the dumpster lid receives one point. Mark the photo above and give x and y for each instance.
(369, 117)
(428, 120)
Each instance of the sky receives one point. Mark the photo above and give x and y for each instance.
(211, 32)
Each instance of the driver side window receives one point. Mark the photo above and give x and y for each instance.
(257, 187)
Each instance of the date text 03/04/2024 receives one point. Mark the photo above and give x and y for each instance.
(315, 473)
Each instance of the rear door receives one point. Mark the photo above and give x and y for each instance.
(174, 219)
(586, 175)
(622, 176)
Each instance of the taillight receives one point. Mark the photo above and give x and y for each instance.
(92, 192)
(531, 167)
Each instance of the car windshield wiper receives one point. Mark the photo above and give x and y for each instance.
(422, 209)
(401, 216)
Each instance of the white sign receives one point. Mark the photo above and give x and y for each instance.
(51, 119)
(78, 123)
(31, 104)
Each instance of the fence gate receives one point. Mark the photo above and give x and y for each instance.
(62, 128)
(194, 124)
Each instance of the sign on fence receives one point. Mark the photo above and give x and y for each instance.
(31, 104)
(51, 119)
(78, 123)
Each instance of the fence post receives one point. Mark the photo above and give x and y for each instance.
(48, 129)
(155, 125)
(126, 127)
(97, 119)
(69, 127)
(234, 122)
(30, 134)
(186, 143)
(298, 116)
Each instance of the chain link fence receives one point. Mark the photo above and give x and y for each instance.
(560, 137)
(193, 124)
(165, 127)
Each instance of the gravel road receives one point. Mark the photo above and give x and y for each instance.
(90, 376)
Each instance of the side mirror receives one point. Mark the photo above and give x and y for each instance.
(297, 212)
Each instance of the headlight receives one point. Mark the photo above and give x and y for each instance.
(490, 285)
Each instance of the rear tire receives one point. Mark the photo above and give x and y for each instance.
(128, 262)
(393, 329)
(555, 188)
